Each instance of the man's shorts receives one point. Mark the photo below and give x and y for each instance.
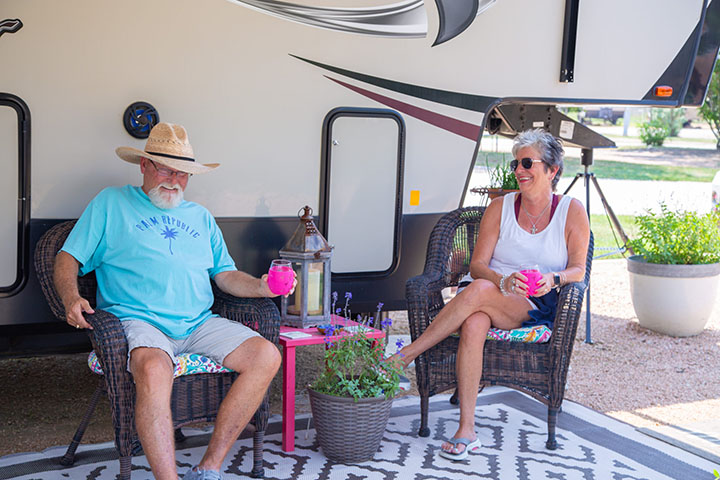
(215, 338)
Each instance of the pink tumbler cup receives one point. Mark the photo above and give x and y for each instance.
(280, 277)
(533, 276)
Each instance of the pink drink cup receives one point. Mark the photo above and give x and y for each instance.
(533, 276)
(280, 279)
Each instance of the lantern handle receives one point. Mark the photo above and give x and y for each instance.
(307, 213)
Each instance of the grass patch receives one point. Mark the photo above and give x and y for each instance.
(600, 225)
(639, 171)
(618, 170)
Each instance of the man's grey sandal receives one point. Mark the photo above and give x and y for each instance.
(469, 445)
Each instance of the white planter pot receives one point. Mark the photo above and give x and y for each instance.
(673, 299)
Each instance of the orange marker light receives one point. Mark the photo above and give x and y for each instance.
(414, 197)
(663, 91)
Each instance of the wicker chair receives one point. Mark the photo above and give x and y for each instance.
(538, 369)
(195, 398)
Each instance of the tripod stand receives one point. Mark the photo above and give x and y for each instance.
(586, 158)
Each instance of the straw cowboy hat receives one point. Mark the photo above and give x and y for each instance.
(168, 145)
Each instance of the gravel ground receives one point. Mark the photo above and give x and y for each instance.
(630, 373)
(636, 375)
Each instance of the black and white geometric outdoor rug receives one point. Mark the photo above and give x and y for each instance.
(512, 427)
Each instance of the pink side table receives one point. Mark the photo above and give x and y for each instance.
(289, 345)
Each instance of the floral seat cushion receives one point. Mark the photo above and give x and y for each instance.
(536, 334)
(188, 364)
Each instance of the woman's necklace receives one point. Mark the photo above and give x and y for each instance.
(533, 230)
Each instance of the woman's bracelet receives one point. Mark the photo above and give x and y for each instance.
(502, 285)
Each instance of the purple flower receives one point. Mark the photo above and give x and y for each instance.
(379, 306)
(399, 344)
(334, 296)
(348, 296)
(338, 310)
(386, 323)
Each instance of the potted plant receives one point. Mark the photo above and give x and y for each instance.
(674, 272)
(351, 399)
(502, 180)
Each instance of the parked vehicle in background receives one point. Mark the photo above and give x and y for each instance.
(608, 114)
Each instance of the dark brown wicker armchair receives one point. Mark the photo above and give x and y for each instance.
(538, 369)
(195, 398)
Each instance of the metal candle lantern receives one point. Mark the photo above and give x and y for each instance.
(309, 254)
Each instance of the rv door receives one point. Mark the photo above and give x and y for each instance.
(14, 194)
(362, 207)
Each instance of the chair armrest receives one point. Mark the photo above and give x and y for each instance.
(565, 328)
(111, 347)
(418, 294)
(260, 314)
(569, 307)
(109, 341)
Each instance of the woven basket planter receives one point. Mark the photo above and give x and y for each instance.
(349, 431)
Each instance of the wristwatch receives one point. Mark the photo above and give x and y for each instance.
(556, 280)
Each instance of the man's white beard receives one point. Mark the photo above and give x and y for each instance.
(164, 199)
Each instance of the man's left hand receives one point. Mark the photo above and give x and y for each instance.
(265, 289)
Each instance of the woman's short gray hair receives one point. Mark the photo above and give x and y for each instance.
(550, 149)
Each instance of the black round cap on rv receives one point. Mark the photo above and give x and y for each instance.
(139, 118)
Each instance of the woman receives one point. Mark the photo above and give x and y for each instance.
(533, 226)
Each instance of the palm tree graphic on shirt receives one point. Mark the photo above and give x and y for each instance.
(170, 234)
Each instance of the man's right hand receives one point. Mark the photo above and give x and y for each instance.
(74, 313)
(66, 272)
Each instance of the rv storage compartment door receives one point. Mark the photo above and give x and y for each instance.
(363, 189)
(8, 196)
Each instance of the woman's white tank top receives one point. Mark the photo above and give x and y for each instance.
(516, 246)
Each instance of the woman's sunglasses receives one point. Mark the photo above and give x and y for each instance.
(526, 162)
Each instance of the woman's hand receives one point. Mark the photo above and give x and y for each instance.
(544, 285)
(516, 284)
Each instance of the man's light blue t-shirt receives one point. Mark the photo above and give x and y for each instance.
(151, 264)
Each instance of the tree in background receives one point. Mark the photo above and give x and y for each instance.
(710, 110)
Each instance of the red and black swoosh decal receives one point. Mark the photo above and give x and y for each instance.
(476, 103)
(452, 125)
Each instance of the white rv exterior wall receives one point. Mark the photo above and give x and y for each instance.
(224, 71)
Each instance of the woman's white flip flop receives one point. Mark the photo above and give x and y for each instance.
(469, 445)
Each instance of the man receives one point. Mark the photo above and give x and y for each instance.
(154, 255)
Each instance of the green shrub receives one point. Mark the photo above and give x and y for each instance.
(677, 237)
(654, 132)
(673, 118)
